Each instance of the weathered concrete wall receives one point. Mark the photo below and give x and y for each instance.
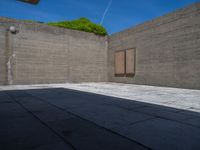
(3, 70)
(44, 54)
(167, 50)
(88, 58)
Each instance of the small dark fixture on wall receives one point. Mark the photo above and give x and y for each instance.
(30, 1)
(125, 63)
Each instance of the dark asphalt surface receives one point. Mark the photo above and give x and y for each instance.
(63, 119)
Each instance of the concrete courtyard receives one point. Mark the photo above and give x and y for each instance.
(98, 116)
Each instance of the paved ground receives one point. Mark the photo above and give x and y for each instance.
(62, 119)
(171, 97)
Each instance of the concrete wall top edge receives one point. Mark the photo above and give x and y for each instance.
(167, 18)
(40, 27)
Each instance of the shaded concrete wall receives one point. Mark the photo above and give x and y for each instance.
(3, 68)
(44, 54)
(167, 50)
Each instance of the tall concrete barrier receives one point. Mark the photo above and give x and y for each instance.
(38, 53)
(3, 47)
(167, 50)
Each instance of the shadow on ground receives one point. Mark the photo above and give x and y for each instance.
(62, 119)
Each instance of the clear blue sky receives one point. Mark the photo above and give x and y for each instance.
(121, 15)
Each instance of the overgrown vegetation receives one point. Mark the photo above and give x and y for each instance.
(82, 24)
(32, 21)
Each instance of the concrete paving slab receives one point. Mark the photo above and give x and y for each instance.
(61, 97)
(57, 146)
(87, 136)
(161, 113)
(11, 108)
(4, 98)
(24, 133)
(191, 113)
(194, 121)
(163, 134)
(62, 94)
(109, 116)
(127, 105)
(52, 115)
(104, 139)
(30, 102)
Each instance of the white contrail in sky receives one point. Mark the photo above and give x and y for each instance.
(105, 12)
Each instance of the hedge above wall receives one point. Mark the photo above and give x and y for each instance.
(82, 24)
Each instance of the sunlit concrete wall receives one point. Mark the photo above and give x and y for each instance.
(44, 54)
(167, 50)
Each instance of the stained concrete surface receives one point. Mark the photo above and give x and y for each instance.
(58, 118)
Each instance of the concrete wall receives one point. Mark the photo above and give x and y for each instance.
(3, 68)
(44, 54)
(88, 58)
(167, 50)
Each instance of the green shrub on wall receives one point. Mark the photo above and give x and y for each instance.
(82, 24)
